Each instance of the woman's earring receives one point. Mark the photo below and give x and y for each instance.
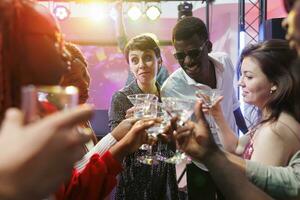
(273, 89)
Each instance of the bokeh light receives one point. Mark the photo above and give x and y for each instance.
(134, 13)
(61, 12)
(153, 12)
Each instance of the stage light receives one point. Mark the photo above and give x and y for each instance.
(113, 14)
(185, 9)
(153, 12)
(242, 41)
(61, 12)
(134, 13)
(95, 12)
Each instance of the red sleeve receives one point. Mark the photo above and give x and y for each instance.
(95, 182)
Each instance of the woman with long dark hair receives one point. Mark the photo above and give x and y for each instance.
(266, 84)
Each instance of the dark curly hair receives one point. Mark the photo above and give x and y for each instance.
(20, 19)
(76, 52)
(187, 27)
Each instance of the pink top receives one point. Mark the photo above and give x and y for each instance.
(249, 147)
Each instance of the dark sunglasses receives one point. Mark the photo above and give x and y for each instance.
(192, 53)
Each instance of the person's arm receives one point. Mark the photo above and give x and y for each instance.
(229, 171)
(120, 30)
(96, 180)
(196, 140)
(279, 182)
(42, 153)
(100, 148)
(231, 180)
(227, 136)
(240, 121)
(99, 176)
(107, 142)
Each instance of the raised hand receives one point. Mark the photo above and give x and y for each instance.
(195, 138)
(123, 128)
(130, 112)
(216, 109)
(42, 153)
(167, 136)
(133, 139)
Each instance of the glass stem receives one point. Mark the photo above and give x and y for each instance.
(150, 151)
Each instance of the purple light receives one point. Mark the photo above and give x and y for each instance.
(61, 12)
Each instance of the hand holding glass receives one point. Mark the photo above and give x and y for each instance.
(183, 109)
(38, 102)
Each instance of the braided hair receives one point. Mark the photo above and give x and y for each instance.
(30, 53)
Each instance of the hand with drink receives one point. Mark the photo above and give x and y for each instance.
(145, 106)
(195, 138)
(38, 102)
(133, 139)
(211, 99)
(182, 109)
(52, 139)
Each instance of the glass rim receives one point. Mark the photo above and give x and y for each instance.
(55, 89)
(177, 99)
(215, 90)
(141, 96)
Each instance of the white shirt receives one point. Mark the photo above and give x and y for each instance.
(180, 85)
(101, 147)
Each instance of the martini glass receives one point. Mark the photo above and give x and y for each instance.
(150, 109)
(209, 97)
(183, 109)
(38, 102)
(154, 131)
(141, 102)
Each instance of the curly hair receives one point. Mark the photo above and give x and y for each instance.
(77, 71)
(189, 26)
(16, 24)
(75, 52)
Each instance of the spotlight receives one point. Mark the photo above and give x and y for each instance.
(61, 12)
(185, 9)
(113, 14)
(95, 12)
(134, 13)
(153, 12)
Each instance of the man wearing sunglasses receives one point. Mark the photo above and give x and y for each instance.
(202, 69)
